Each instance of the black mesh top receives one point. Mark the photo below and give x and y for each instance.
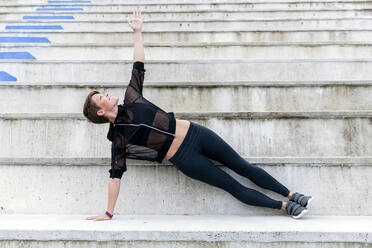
(141, 130)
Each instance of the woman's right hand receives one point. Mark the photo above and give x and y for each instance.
(98, 217)
(136, 22)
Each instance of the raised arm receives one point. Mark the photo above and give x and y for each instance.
(138, 53)
(138, 72)
(136, 25)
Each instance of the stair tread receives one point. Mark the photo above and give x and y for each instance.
(186, 44)
(209, 114)
(274, 228)
(193, 84)
(103, 161)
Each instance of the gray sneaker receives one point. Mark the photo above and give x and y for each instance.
(295, 210)
(301, 199)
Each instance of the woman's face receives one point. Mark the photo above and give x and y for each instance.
(105, 102)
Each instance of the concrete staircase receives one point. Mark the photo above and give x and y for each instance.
(288, 84)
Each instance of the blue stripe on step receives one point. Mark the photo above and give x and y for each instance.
(24, 40)
(57, 9)
(35, 27)
(47, 17)
(16, 55)
(68, 1)
(6, 77)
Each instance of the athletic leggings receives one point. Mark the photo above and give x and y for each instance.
(202, 143)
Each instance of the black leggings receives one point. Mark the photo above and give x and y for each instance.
(202, 143)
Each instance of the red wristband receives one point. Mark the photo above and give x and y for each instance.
(108, 214)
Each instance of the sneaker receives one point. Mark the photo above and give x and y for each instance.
(295, 210)
(301, 199)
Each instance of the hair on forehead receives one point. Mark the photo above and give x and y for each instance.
(90, 109)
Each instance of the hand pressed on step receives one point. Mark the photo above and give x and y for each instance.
(98, 217)
(136, 22)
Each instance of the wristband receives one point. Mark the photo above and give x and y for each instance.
(108, 214)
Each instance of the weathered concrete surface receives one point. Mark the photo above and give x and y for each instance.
(197, 2)
(249, 133)
(109, 37)
(187, 231)
(122, 5)
(339, 185)
(214, 25)
(195, 15)
(185, 51)
(191, 70)
(324, 154)
(186, 96)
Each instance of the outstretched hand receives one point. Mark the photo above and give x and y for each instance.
(136, 22)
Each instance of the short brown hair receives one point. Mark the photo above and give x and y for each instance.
(90, 110)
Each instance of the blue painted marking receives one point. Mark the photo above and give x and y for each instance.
(68, 1)
(16, 55)
(47, 17)
(35, 27)
(58, 9)
(24, 40)
(6, 77)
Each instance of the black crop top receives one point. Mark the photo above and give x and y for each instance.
(141, 130)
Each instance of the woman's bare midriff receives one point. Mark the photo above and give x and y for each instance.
(182, 126)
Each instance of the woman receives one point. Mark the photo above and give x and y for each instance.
(141, 130)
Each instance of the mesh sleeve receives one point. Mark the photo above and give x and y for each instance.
(135, 86)
(118, 162)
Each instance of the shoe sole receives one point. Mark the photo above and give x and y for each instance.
(301, 214)
(308, 201)
(312, 198)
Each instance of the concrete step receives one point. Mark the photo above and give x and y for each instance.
(168, 2)
(190, 70)
(187, 96)
(185, 231)
(341, 133)
(336, 145)
(199, 36)
(200, 15)
(188, 51)
(176, 2)
(219, 25)
(186, 5)
(68, 185)
(116, 2)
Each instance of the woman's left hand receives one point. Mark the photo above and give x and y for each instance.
(136, 23)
